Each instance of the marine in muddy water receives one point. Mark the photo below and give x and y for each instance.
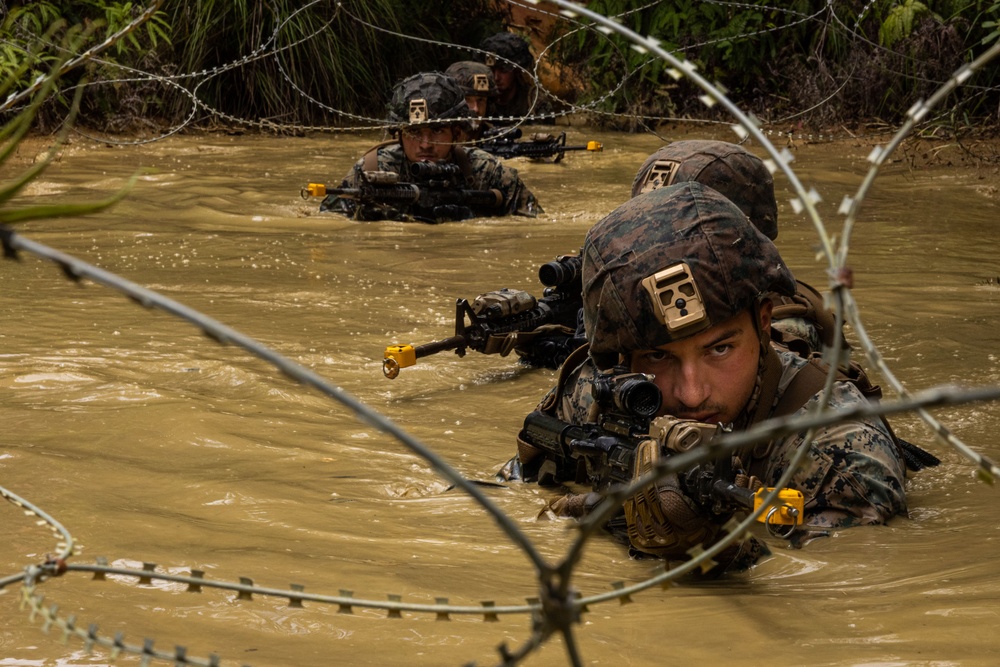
(476, 81)
(510, 60)
(424, 174)
(676, 286)
(801, 321)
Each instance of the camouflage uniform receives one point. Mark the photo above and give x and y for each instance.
(432, 99)
(853, 473)
(503, 49)
(488, 172)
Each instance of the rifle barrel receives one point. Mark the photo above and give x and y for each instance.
(396, 357)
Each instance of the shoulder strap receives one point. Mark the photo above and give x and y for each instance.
(806, 303)
(806, 383)
(575, 358)
(768, 386)
(369, 161)
(811, 378)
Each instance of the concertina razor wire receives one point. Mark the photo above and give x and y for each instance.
(559, 606)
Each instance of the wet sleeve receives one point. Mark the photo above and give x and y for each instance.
(518, 198)
(853, 473)
(492, 173)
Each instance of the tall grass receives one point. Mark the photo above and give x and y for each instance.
(330, 53)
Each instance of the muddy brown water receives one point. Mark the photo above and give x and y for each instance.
(151, 443)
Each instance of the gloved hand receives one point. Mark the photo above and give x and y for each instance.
(575, 505)
(661, 519)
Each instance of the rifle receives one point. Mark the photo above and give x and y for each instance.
(602, 454)
(504, 143)
(492, 322)
(436, 197)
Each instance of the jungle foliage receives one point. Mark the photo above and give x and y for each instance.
(818, 61)
(812, 60)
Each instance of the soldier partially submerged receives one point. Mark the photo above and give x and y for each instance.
(677, 285)
(427, 113)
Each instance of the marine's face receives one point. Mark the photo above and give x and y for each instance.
(710, 376)
(477, 104)
(428, 143)
(505, 78)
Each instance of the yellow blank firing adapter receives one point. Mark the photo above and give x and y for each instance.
(785, 510)
(396, 357)
(313, 190)
(595, 146)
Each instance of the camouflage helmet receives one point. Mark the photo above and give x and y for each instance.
(738, 174)
(670, 263)
(510, 48)
(427, 97)
(473, 78)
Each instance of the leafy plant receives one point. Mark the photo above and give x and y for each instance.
(992, 25)
(901, 20)
(13, 131)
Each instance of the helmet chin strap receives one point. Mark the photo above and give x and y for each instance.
(765, 364)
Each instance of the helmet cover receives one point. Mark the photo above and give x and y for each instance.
(737, 173)
(427, 97)
(653, 262)
(475, 79)
(510, 48)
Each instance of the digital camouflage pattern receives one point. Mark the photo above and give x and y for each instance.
(732, 263)
(528, 100)
(486, 171)
(735, 172)
(445, 99)
(474, 78)
(853, 474)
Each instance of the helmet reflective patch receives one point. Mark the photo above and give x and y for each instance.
(491, 60)
(481, 83)
(418, 111)
(676, 299)
(660, 175)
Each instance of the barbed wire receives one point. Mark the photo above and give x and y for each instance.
(559, 606)
(272, 48)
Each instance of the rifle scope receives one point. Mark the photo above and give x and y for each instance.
(435, 169)
(632, 393)
(563, 271)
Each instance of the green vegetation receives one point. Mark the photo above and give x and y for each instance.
(69, 41)
(285, 63)
(779, 59)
